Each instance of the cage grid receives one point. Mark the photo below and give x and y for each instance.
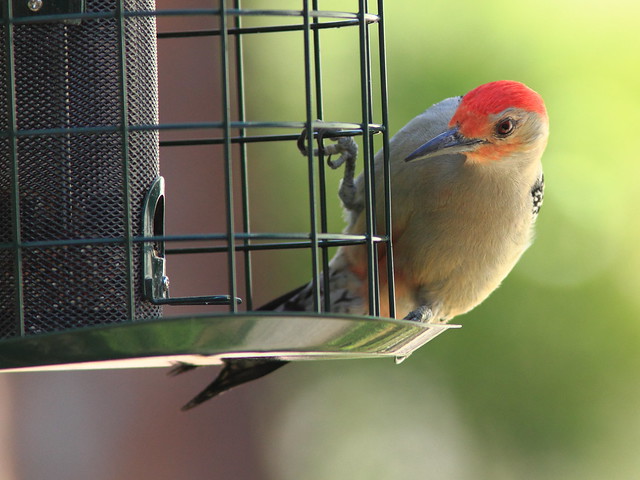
(135, 249)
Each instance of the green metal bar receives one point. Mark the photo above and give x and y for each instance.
(244, 173)
(386, 164)
(193, 238)
(35, 19)
(369, 138)
(126, 164)
(261, 138)
(258, 13)
(365, 78)
(370, 18)
(265, 29)
(196, 300)
(14, 169)
(324, 227)
(305, 12)
(315, 267)
(186, 126)
(228, 166)
(269, 246)
(242, 140)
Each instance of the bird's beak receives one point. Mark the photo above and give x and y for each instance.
(447, 143)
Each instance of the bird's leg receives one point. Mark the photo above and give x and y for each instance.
(421, 314)
(348, 150)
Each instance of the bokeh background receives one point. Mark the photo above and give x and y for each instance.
(542, 380)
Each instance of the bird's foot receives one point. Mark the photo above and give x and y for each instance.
(347, 148)
(421, 314)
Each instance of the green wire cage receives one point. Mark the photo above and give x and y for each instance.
(84, 252)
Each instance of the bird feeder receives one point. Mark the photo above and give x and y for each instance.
(83, 245)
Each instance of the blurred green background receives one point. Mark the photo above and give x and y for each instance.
(542, 380)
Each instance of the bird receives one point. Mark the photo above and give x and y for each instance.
(466, 187)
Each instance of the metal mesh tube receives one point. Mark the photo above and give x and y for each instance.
(71, 184)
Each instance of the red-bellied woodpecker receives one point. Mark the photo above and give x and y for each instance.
(466, 185)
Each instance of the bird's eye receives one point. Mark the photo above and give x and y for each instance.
(505, 127)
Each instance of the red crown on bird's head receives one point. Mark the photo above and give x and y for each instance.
(492, 98)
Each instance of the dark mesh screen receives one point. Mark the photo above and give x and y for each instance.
(71, 186)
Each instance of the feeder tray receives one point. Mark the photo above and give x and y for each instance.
(207, 340)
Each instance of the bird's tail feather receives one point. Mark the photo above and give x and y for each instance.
(234, 373)
(238, 371)
(181, 367)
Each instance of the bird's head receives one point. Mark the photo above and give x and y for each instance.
(493, 121)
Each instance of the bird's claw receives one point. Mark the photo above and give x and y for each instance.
(345, 146)
(421, 314)
(348, 150)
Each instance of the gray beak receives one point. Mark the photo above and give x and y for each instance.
(447, 143)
